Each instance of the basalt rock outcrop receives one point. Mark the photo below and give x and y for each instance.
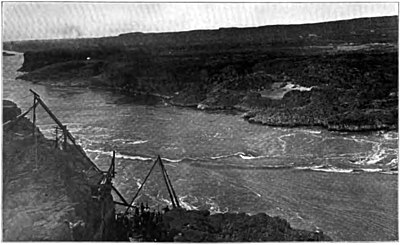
(54, 198)
(339, 75)
(200, 226)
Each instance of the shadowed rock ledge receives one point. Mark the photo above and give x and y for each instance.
(200, 226)
(54, 201)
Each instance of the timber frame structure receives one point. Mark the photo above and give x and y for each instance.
(171, 191)
(107, 175)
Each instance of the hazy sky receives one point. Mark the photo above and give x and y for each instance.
(46, 20)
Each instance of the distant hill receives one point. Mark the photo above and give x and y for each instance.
(358, 31)
(382, 29)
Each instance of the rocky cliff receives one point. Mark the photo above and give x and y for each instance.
(56, 199)
(180, 225)
(340, 75)
(200, 226)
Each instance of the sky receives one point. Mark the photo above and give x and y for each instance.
(51, 20)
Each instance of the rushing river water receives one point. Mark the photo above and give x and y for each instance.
(343, 183)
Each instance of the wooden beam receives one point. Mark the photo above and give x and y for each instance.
(47, 109)
(170, 184)
(34, 93)
(141, 186)
(166, 182)
(120, 196)
(123, 204)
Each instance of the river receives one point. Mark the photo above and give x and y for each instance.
(345, 184)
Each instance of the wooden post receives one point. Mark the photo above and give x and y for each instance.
(34, 115)
(56, 137)
(34, 132)
(113, 165)
(65, 137)
(111, 169)
(166, 182)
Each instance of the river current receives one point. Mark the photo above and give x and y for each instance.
(342, 183)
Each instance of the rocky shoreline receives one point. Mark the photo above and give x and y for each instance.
(364, 101)
(341, 76)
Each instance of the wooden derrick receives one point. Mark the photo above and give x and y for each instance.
(171, 191)
(107, 176)
(67, 135)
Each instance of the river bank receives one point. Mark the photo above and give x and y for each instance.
(363, 98)
(336, 80)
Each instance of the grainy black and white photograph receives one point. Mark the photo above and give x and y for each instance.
(200, 121)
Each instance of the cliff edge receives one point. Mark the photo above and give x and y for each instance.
(200, 226)
(56, 199)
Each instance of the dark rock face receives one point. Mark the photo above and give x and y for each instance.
(7, 54)
(53, 200)
(10, 110)
(200, 226)
(339, 80)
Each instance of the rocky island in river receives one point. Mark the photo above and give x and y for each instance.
(340, 75)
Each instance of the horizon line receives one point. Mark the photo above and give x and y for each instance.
(193, 30)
